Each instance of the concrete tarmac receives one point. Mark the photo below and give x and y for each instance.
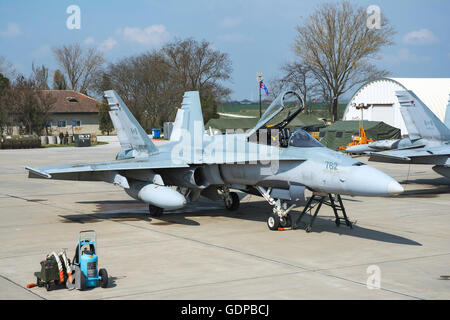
(207, 252)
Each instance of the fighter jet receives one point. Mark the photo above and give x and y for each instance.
(429, 137)
(395, 144)
(268, 161)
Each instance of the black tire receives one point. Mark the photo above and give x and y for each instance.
(104, 275)
(82, 281)
(286, 222)
(273, 222)
(234, 205)
(155, 211)
(48, 286)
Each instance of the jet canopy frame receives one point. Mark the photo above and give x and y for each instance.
(288, 101)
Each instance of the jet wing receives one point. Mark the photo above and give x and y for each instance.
(406, 155)
(117, 165)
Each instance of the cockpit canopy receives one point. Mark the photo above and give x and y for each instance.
(303, 139)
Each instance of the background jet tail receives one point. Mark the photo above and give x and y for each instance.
(129, 132)
(189, 117)
(420, 121)
(447, 114)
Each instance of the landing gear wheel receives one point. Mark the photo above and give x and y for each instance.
(232, 203)
(48, 286)
(286, 222)
(273, 222)
(104, 275)
(155, 211)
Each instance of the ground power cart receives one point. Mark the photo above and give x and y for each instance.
(86, 261)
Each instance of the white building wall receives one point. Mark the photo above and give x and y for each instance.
(381, 94)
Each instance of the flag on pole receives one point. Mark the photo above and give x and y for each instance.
(263, 86)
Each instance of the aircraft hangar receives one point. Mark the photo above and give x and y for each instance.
(379, 95)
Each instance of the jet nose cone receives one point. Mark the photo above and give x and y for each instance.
(394, 188)
(368, 181)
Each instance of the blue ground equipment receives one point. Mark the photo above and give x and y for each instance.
(87, 260)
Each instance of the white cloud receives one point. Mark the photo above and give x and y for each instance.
(404, 55)
(420, 37)
(12, 30)
(230, 22)
(152, 36)
(89, 40)
(107, 45)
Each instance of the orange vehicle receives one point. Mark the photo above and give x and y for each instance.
(361, 138)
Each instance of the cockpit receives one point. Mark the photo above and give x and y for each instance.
(303, 139)
(272, 127)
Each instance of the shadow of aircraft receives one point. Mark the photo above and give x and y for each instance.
(131, 210)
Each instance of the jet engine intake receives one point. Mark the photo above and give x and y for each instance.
(192, 177)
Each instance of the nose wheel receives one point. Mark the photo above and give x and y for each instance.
(280, 217)
(275, 221)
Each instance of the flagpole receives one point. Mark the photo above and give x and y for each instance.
(260, 115)
(259, 79)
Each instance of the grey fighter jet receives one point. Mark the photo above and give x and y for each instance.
(396, 144)
(268, 161)
(429, 137)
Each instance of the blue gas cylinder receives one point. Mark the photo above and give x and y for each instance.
(88, 265)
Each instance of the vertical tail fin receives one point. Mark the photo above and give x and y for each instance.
(420, 121)
(129, 131)
(447, 114)
(188, 115)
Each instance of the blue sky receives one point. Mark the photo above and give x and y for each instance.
(258, 35)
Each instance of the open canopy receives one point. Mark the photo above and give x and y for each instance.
(280, 112)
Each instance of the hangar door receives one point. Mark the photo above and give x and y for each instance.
(383, 113)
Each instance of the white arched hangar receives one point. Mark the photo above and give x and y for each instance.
(384, 106)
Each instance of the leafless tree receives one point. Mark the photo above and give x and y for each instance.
(299, 77)
(59, 81)
(79, 66)
(338, 47)
(6, 68)
(30, 106)
(197, 66)
(40, 76)
(152, 84)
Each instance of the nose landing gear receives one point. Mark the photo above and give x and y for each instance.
(280, 217)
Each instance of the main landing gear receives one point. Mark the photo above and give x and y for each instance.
(155, 211)
(231, 199)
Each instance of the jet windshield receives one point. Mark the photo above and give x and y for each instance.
(303, 139)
